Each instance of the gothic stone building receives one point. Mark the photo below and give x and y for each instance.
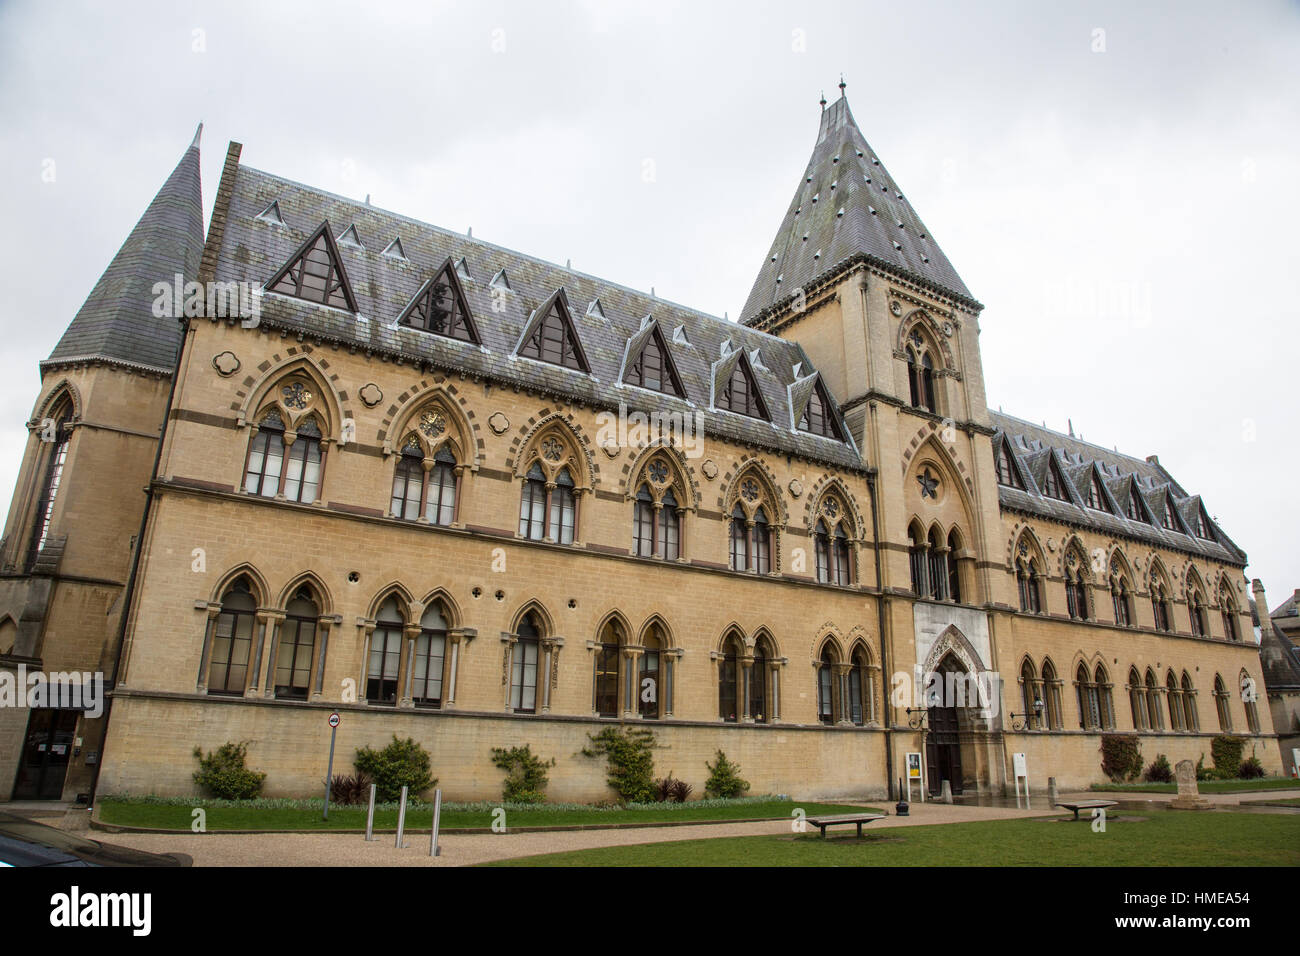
(461, 494)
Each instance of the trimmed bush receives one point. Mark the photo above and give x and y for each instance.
(401, 763)
(222, 773)
(525, 774)
(1159, 771)
(629, 759)
(725, 779)
(1121, 757)
(1226, 752)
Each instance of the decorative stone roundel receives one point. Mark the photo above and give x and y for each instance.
(658, 472)
(371, 394)
(710, 469)
(498, 423)
(796, 487)
(552, 450)
(831, 507)
(226, 363)
(611, 448)
(895, 307)
(749, 490)
(296, 395)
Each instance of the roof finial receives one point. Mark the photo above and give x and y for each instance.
(197, 133)
(842, 84)
(823, 102)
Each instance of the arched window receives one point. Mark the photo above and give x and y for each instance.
(758, 708)
(1191, 720)
(1137, 701)
(426, 480)
(1196, 611)
(1052, 697)
(920, 373)
(739, 540)
(1174, 700)
(917, 560)
(282, 462)
(562, 508)
(1101, 682)
(302, 471)
(938, 570)
(1160, 604)
(761, 544)
(55, 431)
(430, 657)
(1229, 611)
(266, 456)
(408, 481)
(650, 688)
(385, 653)
(753, 538)
(1027, 582)
(297, 645)
(1221, 705)
(232, 640)
(553, 508)
(523, 666)
(1076, 583)
(954, 572)
(861, 697)
(1153, 702)
(1121, 594)
(532, 505)
(832, 546)
(1089, 700)
(728, 677)
(1248, 695)
(826, 687)
(656, 515)
(608, 654)
(1029, 694)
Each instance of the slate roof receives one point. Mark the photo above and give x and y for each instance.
(1032, 445)
(253, 250)
(847, 204)
(116, 323)
(1280, 660)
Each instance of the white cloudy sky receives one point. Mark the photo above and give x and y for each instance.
(1127, 216)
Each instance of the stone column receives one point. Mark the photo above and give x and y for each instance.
(367, 629)
(322, 647)
(263, 616)
(631, 681)
(209, 633)
(455, 637)
(842, 689)
(775, 672)
(742, 689)
(507, 659)
(268, 686)
(406, 665)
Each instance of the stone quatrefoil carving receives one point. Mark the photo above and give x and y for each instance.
(226, 363)
(371, 394)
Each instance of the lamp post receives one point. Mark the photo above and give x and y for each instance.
(1024, 722)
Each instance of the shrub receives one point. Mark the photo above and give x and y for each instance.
(670, 789)
(401, 763)
(724, 778)
(1160, 771)
(525, 774)
(1250, 768)
(350, 789)
(1203, 772)
(222, 773)
(1121, 757)
(629, 759)
(1226, 752)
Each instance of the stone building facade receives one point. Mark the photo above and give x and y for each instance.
(460, 494)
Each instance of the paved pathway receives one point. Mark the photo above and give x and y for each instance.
(1222, 799)
(337, 849)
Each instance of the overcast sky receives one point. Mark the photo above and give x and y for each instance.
(1118, 183)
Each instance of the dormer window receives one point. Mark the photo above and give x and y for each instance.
(1008, 474)
(818, 417)
(553, 339)
(741, 393)
(1096, 497)
(1053, 486)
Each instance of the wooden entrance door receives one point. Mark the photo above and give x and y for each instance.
(943, 750)
(46, 751)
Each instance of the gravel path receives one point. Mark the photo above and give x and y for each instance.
(335, 849)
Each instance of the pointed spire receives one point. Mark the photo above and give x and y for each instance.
(117, 321)
(822, 101)
(197, 133)
(842, 84)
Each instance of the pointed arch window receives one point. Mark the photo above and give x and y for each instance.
(1137, 701)
(282, 463)
(739, 539)
(757, 681)
(1076, 586)
(1027, 581)
(831, 547)
(562, 508)
(297, 646)
(1191, 719)
(650, 684)
(302, 470)
(232, 640)
(1121, 595)
(59, 438)
(523, 666)
(917, 560)
(315, 273)
(1106, 703)
(1153, 703)
(937, 576)
(657, 517)
(954, 572)
(643, 523)
(554, 340)
(1229, 613)
(761, 542)
(430, 657)
(1221, 705)
(1160, 606)
(440, 307)
(548, 510)
(654, 368)
(266, 457)
(861, 697)
(1196, 611)
(1029, 694)
(1052, 697)
(609, 652)
(1089, 700)
(920, 375)
(728, 676)
(826, 687)
(1248, 702)
(385, 654)
(1174, 700)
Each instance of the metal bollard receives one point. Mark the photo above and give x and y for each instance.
(401, 821)
(370, 817)
(434, 849)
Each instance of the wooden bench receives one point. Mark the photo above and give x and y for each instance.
(857, 818)
(1088, 805)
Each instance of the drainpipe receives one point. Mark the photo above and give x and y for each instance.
(884, 644)
(129, 594)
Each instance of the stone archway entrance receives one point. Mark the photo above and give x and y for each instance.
(943, 742)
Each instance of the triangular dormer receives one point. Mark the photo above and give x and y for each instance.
(394, 250)
(462, 270)
(649, 362)
(351, 238)
(1096, 497)
(500, 281)
(1007, 467)
(814, 412)
(315, 273)
(1169, 519)
(1201, 525)
(735, 388)
(1136, 509)
(271, 214)
(595, 310)
(1054, 482)
(550, 336)
(679, 336)
(440, 307)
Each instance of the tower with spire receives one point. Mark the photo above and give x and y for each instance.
(71, 533)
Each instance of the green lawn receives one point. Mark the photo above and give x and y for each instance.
(1205, 786)
(1164, 838)
(179, 817)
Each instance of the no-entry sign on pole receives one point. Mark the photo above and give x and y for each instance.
(335, 720)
